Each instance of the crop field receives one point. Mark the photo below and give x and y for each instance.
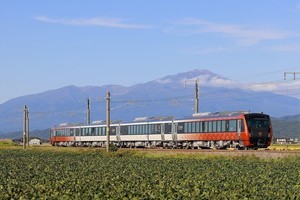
(94, 174)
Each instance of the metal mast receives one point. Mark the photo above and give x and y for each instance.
(196, 106)
(88, 112)
(107, 121)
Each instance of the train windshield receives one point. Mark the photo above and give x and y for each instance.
(258, 121)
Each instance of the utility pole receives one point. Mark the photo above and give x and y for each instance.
(25, 128)
(196, 107)
(107, 121)
(88, 112)
(294, 73)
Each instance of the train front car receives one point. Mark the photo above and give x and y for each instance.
(259, 130)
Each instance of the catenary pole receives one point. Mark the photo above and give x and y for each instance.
(293, 73)
(24, 128)
(196, 106)
(88, 112)
(196, 96)
(107, 121)
(27, 126)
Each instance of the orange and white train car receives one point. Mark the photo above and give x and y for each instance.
(210, 130)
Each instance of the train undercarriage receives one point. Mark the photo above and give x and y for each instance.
(163, 144)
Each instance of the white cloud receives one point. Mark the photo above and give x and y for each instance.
(96, 21)
(243, 35)
(163, 81)
(287, 88)
(214, 81)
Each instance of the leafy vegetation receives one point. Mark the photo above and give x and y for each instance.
(37, 174)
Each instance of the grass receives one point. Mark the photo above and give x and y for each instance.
(293, 147)
(7, 143)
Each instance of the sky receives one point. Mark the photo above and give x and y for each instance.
(50, 44)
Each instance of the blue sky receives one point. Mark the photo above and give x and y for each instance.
(50, 44)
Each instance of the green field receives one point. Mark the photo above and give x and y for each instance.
(69, 173)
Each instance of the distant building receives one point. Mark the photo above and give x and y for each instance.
(287, 141)
(34, 141)
(281, 140)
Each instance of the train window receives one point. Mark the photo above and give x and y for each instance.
(225, 126)
(158, 129)
(197, 127)
(113, 130)
(138, 130)
(101, 131)
(135, 130)
(185, 128)
(219, 126)
(189, 127)
(181, 128)
(150, 128)
(124, 130)
(93, 131)
(77, 133)
(129, 130)
(72, 132)
(205, 127)
(193, 127)
(168, 128)
(214, 123)
(242, 126)
(232, 125)
(146, 129)
(142, 129)
(210, 126)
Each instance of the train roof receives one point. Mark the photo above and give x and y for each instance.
(219, 114)
(139, 120)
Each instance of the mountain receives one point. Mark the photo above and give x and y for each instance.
(286, 127)
(161, 97)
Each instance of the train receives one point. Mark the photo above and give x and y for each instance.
(219, 130)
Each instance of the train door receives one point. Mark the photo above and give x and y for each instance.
(118, 133)
(239, 125)
(174, 131)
